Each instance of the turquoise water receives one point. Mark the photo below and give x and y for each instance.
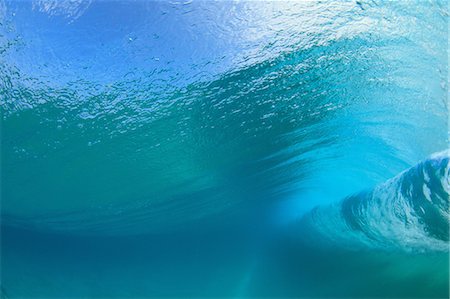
(224, 149)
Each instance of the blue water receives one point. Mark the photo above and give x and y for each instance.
(224, 149)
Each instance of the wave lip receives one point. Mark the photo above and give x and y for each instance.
(408, 212)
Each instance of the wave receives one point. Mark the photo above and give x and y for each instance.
(408, 212)
(148, 150)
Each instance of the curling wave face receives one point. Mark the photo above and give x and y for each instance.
(116, 121)
(409, 212)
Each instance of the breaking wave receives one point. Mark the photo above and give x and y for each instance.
(409, 211)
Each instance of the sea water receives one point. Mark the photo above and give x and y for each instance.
(224, 149)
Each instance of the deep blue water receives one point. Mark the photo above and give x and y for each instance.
(224, 149)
